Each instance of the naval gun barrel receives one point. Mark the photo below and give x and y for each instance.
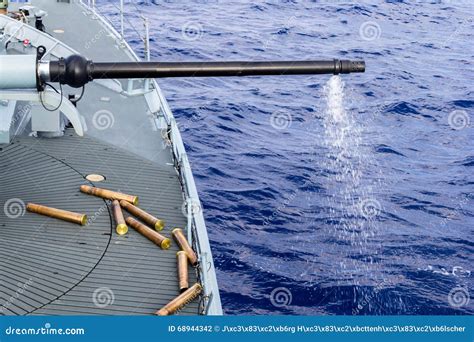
(76, 71)
(29, 71)
(222, 69)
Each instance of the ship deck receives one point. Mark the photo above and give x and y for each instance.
(54, 267)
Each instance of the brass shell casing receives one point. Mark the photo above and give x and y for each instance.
(183, 243)
(57, 213)
(149, 233)
(179, 302)
(121, 227)
(108, 194)
(149, 219)
(183, 277)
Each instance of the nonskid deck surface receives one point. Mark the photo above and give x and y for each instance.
(58, 268)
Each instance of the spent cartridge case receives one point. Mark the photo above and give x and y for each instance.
(121, 227)
(108, 194)
(183, 278)
(149, 233)
(57, 213)
(179, 302)
(178, 235)
(149, 219)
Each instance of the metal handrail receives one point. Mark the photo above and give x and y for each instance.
(145, 38)
(36, 38)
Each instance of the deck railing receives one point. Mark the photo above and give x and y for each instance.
(124, 20)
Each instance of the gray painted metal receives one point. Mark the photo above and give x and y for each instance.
(53, 267)
(17, 72)
(41, 119)
(7, 122)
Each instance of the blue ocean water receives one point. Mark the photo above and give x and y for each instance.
(322, 195)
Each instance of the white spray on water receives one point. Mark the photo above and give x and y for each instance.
(352, 208)
(347, 221)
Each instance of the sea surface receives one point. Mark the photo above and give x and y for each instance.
(344, 195)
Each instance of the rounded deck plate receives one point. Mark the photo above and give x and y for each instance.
(51, 267)
(43, 258)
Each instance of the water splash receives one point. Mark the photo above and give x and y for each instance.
(354, 210)
(346, 163)
(352, 206)
(338, 122)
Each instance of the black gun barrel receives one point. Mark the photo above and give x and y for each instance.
(77, 71)
(219, 69)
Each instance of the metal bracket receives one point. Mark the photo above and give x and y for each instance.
(50, 99)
